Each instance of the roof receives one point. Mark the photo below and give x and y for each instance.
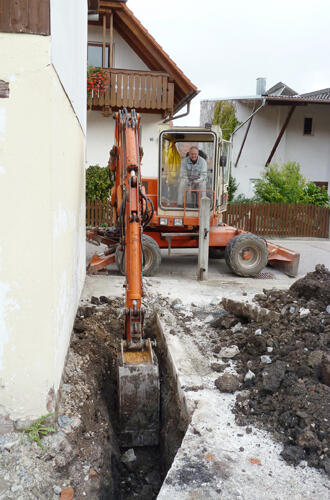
(149, 50)
(318, 94)
(283, 94)
(281, 89)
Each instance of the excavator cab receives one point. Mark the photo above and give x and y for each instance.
(181, 184)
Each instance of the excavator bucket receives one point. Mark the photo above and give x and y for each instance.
(139, 396)
(283, 259)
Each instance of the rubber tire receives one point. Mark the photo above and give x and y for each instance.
(234, 258)
(216, 252)
(152, 254)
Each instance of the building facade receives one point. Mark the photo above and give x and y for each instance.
(42, 197)
(279, 126)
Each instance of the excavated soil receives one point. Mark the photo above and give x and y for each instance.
(283, 367)
(83, 457)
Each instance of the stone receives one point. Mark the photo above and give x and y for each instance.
(57, 490)
(328, 309)
(227, 383)
(258, 331)
(209, 318)
(105, 300)
(272, 376)
(176, 304)
(303, 312)
(95, 301)
(293, 454)
(265, 359)
(128, 456)
(229, 352)
(237, 328)
(67, 494)
(249, 376)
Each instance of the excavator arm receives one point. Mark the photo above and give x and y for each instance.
(138, 374)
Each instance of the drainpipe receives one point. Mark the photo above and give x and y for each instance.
(171, 118)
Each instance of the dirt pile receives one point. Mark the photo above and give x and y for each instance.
(284, 367)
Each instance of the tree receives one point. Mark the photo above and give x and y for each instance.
(225, 116)
(98, 183)
(232, 188)
(286, 184)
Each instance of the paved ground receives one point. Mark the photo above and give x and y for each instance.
(214, 461)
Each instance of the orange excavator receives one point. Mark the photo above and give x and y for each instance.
(171, 209)
(138, 376)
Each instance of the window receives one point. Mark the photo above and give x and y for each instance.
(308, 126)
(94, 55)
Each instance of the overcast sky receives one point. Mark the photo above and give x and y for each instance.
(223, 46)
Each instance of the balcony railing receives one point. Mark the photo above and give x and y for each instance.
(142, 90)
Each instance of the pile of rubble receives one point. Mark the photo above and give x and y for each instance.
(280, 351)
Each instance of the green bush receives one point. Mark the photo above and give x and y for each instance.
(98, 183)
(285, 184)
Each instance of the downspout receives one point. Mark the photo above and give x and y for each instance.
(171, 118)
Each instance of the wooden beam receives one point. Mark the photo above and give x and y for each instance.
(104, 42)
(111, 40)
(243, 142)
(278, 140)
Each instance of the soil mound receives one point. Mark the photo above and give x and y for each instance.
(284, 364)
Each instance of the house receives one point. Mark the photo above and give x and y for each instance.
(142, 76)
(277, 126)
(42, 198)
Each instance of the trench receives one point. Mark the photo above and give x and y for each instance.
(142, 478)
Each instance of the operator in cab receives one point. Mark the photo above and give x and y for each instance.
(193, 176)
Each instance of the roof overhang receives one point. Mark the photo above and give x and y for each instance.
(146, 47)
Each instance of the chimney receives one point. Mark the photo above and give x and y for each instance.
(261, 86)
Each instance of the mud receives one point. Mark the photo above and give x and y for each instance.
(288, 392)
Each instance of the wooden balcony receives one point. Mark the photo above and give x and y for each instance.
(146, 91)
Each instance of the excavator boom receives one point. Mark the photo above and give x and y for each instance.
(138, 375)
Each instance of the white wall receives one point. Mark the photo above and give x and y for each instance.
(42, 213)
(100, 139)
(69, 50)
(124, 56)
(312, 152)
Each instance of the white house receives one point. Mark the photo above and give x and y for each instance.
(142, 76)
(42, 197)
(277, 126)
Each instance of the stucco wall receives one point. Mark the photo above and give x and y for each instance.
(100, 139)
(42, 250)
(68, 54)
(311, 152)
(124, 56)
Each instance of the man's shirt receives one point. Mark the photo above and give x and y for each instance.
(194, 172)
